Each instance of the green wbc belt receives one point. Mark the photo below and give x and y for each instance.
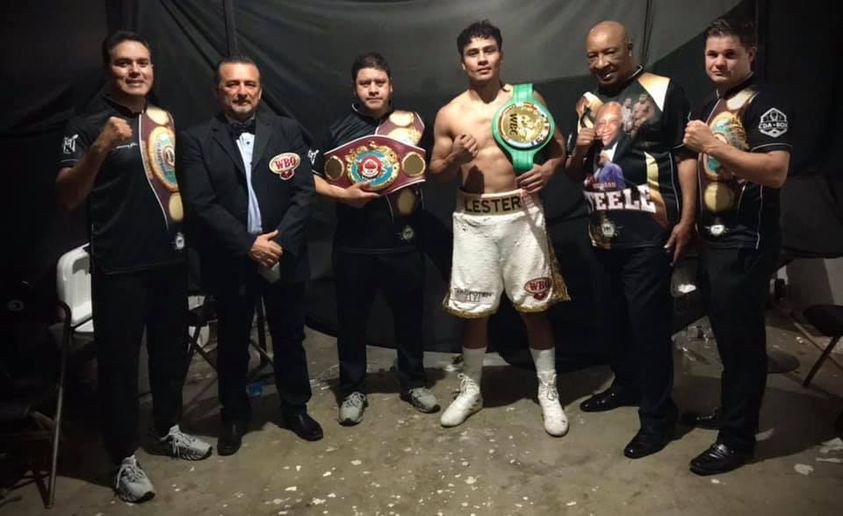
(522, 127)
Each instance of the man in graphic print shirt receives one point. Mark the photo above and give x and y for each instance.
(640, 224)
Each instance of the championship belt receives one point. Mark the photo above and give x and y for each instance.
(721, 188)
(388, 161)
(157, 144)
(404, 126)
(522, 127)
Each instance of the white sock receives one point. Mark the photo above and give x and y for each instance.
(473, 363)
(545, 360)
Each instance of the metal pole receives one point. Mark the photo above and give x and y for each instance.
(230, 27)
(762, 16)
(648, 29)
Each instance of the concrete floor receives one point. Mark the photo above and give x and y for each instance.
(398, 461)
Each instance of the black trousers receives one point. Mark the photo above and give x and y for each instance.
(124, 305)
(284, 304)
(735, 285)
(636, 311)
(400, 277)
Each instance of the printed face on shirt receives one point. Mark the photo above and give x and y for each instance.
(239, 90)
(130, 70)
(727, 62)
(609, 54)
(608, 123)
(481, 60)
(374, 91)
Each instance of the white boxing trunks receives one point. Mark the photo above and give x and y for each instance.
(501, 244)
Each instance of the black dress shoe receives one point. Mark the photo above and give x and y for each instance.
(719, 458)
(647, 442)
(231, 437)
(303, 425)
(710, 421)
(609, 399)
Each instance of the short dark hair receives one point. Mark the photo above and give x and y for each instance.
(369, 60)
(742, 29)
(480, 29)
(232, 59)
(115, 39)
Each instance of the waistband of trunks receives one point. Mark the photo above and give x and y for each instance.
(494, 203)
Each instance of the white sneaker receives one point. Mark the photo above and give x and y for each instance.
(467, 402)
(352, 408)
(183, 446)
(555, 420)
(131, 483)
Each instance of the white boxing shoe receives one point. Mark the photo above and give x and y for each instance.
(467, 402)
(555, 420)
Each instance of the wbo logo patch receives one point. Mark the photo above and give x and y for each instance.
(285, 165)
(539, 287)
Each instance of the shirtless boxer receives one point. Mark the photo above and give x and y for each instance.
(500, 242)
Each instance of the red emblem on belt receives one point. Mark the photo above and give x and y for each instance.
(370, 167)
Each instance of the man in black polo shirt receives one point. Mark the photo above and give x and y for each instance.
(119, 156)
(375, 247)
(639, 186)
(741, 135)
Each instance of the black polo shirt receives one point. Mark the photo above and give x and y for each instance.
(374, 228)
(127, 225)
(734, 212)
(632, 185)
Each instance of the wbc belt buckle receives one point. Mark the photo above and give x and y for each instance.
(522, 126)
(384, 163)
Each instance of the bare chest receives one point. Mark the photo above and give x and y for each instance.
(477, 122)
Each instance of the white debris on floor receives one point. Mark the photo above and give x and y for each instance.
(803, 469)
(833, 445)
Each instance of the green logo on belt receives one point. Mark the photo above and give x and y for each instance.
(522, 127)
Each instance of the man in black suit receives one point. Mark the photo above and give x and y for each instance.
(248, 190)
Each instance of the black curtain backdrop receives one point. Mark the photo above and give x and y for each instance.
(51, 66)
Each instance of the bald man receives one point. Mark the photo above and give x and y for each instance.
(640, 228)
